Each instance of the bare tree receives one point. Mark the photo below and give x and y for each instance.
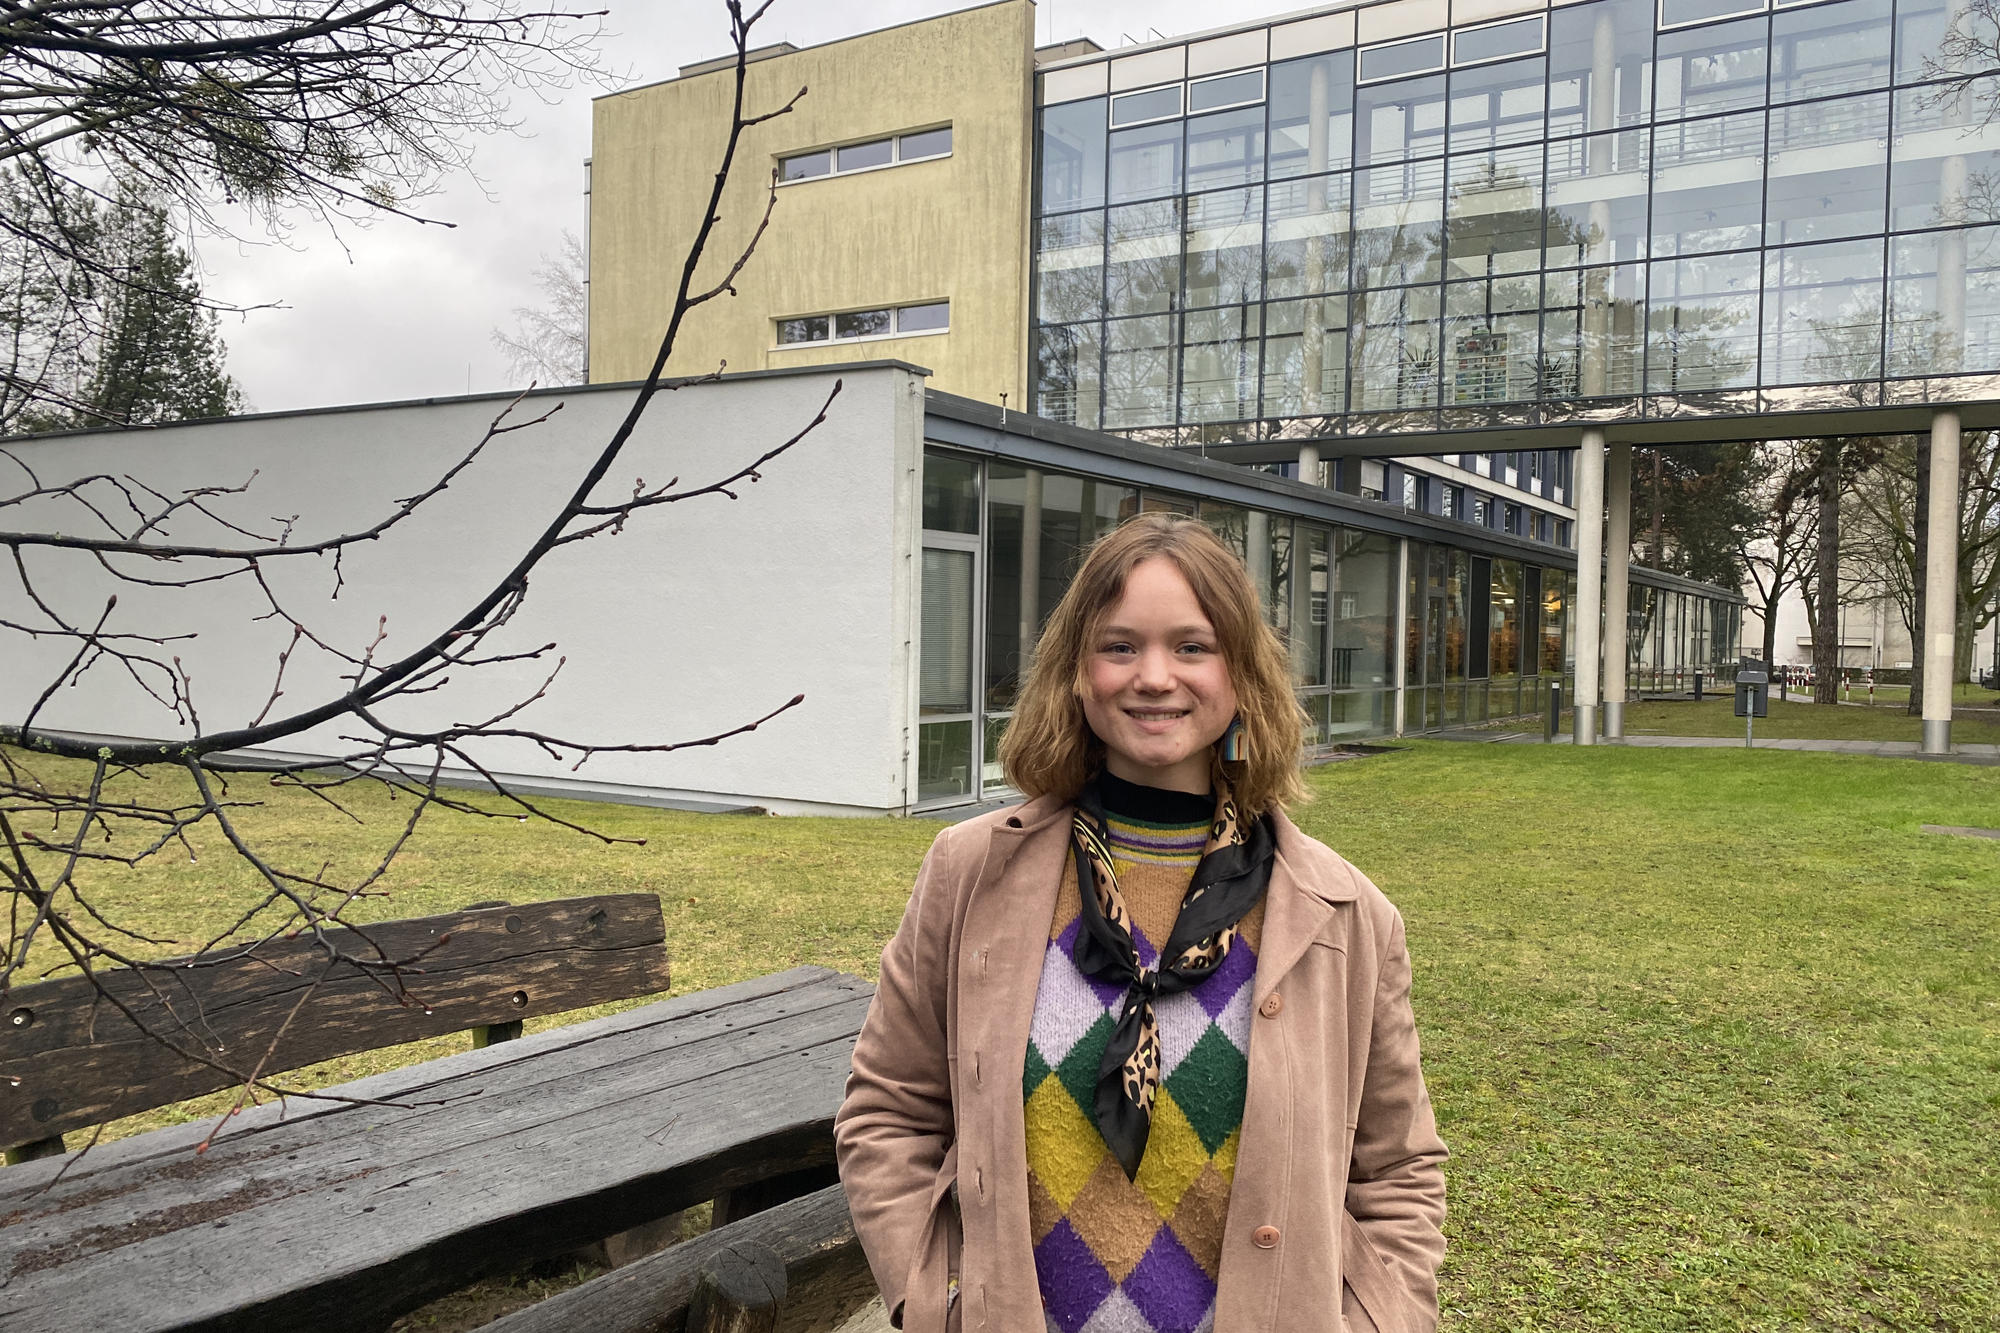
(1774, 551)
(227, 111)
(71, 832)
(549, 341)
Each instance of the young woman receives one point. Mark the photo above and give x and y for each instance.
(1142, 1058)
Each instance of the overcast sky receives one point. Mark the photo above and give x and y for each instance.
(397, 310)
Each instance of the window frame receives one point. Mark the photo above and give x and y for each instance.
(1750, 9)
(1442, 38)
(1540, 48)
(1263, 74)
(1111, 121)
(896, 158)
(832, 339)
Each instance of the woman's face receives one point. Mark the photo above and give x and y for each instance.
(1156, 690)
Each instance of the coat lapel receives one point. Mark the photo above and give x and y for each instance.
(1297, 905)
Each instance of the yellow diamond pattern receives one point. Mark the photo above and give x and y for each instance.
(1174, 1156)
(1063, 1147)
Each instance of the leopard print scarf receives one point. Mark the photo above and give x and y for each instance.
(1231, 878)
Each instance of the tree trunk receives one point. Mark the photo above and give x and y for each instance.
(1771, 605)
(1659, 540)
(1826, 617)
(1920, 532)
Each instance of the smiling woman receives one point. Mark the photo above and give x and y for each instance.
(1182, 1089)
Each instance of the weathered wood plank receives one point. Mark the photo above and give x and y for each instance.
(827, 1277)
(69, 1058)
(360, 1214)
(567, 1058)
(739, 1290)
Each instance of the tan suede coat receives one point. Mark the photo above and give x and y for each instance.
(1338, 1197)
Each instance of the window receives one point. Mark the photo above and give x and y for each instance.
(1395, 60)
(1675, 13)
(916, 147)
(1152, 104)
(1496, 41)
(1229, 90)
(860, 325)
(1482, 511)
(1454, 501)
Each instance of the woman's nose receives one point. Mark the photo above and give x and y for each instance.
(1156, 670)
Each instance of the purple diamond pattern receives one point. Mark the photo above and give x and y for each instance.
(1074, 1284)
(1169, 1287)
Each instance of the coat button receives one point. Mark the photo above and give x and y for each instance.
(1265, 1238)
(1272, 1004)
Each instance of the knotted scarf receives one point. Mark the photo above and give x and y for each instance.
(1233, 873)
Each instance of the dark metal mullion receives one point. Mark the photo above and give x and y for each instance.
(1763, 216)
(1645, 263)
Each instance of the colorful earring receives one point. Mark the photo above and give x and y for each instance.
(1232, 743)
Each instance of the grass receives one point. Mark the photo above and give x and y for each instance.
(1716, 716)
(1714, 1035)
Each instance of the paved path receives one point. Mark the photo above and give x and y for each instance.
(1961, 754)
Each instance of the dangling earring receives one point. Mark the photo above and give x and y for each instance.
(1232, 743)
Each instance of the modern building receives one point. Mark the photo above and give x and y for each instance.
(1457, 255)
(894, 568)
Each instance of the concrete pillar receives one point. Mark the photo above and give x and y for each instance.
(1031, 567)
(1257, 553)
(1617, 576)
(1401, 631)
(1309, 471)
(1941, 584)
(1589, 609)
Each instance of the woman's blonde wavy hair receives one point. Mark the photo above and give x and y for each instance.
(1049, 749)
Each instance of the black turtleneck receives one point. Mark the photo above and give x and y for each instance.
(1153, 805)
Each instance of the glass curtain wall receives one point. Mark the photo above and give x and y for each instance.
(1485, 635)
(1620, 208)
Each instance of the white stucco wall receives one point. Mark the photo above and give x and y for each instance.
(699, 616)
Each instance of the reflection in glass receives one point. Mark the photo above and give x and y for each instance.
(1143, 269)
(1225, 261)
(1305, 249)
(1226, 148)
(1312, 115)
(1305, 357)
(1073, 156)
(1700, 71)
(1946, 157)
(1139, 359)
(1394, 121)
(1823, 313)
(1219, 364)
(1503, 653)
(1495, 208)
(1394, 349)
(1828, 169)
(1600, 66)
(1067, 385)
(944, 760)
(1708, 184)
(1311, 584)
(1398, 223)
(1593, 332)
(1828, 49)
(1146, 162)
(1498, 104)
(1364, 607)
(1597, 199)
(1702, 329)
(1069, 268)
(1944, 302)
(951, 493)
(945, 637)
(1489, 340)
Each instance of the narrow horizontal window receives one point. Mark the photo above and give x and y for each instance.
(857, 156)
(1153, 104)
(1497, 41)
(806, 165)
(1243, 89)
(850, 326)
(928, 143)
(923, 318)
(1399, 58)
(1680, 13)
(874, 153)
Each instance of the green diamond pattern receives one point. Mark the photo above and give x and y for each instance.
(1078, 1071)
(1036, 1071)
(1210, 1086)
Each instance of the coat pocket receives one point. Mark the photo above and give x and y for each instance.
(1371, 1285)
(928, 1306)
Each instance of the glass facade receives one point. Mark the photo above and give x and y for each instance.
(1612, 210)
(1482, 634)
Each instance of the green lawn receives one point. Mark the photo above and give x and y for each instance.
(1716, 716)
(1714, 1035)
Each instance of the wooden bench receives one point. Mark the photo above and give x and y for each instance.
(345, 1215)
(71, 1058)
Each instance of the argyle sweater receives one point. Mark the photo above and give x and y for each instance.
(1137, 1256)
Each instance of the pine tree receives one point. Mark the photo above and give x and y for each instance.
(159, 357)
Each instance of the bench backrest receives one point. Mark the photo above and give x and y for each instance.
(69, 1057)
